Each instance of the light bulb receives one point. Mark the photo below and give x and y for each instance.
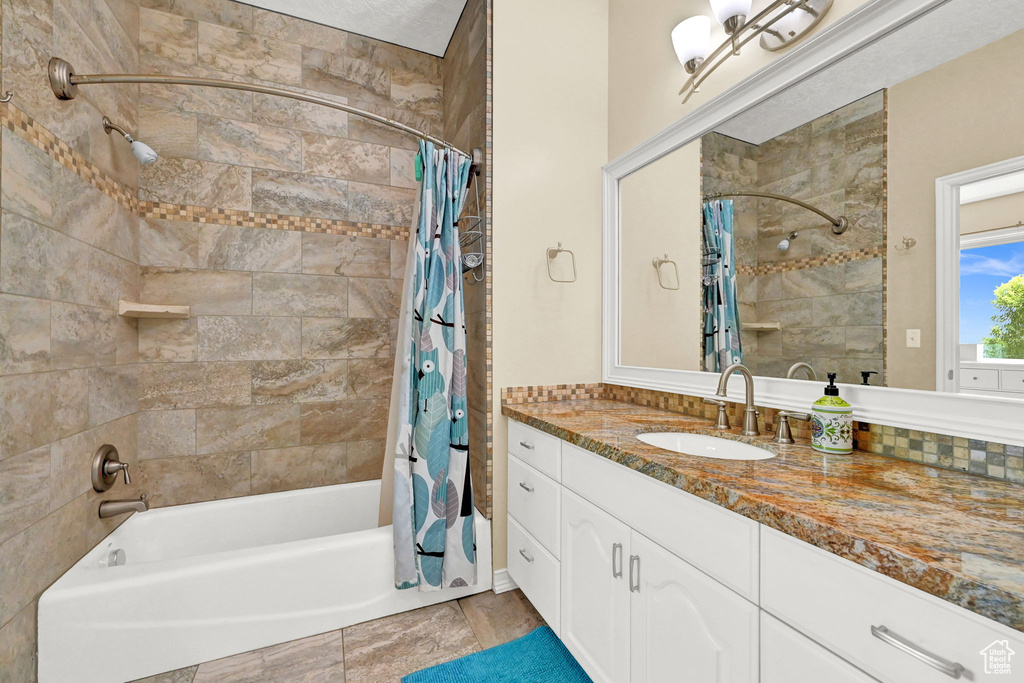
(144, 153)
(727, 9)
(692, 41)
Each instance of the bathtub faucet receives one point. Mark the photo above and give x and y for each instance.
(113, 508)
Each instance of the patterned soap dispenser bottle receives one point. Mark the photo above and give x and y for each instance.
(832, 421)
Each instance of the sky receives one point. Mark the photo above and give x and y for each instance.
(981, 271)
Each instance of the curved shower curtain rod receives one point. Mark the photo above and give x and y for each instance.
(839, 225)
(64, 82)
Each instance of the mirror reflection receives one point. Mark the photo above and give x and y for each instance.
(799, 237)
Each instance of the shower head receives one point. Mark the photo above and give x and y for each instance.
(143, 152)
(784, 244)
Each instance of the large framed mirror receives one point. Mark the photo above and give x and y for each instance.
(847, 210)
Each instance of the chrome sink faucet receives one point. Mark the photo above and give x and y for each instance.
(113, 508)
(750, 414)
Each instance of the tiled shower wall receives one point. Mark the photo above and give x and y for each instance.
(68, 252)
(825, 290)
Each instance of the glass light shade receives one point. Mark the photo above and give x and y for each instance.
(727, 9)
(692, 39)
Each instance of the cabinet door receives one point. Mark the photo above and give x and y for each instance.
(685, 625)
(595, 597)
(790, 657)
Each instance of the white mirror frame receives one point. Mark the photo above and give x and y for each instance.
(980, 417)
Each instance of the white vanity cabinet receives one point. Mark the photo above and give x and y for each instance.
(645, 583)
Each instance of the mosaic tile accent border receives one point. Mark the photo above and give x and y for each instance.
(273, 221)
(813, 261)
(975, 456)
(23, 125)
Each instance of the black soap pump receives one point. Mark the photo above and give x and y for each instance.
(866, 374)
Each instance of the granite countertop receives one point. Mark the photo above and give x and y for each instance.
(957, 536)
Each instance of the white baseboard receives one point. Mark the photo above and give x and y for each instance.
(503, 582)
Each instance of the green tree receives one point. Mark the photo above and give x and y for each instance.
(1007, 336)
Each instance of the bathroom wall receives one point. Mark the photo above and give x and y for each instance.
(826, 289)
(941, 122)
(285, 226)
(68, 252)
(464, 102)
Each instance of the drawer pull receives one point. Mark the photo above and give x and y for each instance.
(634, 577)
(523, 486)
(526, 556)
(525, 445)
(617, 551)
(951, 669)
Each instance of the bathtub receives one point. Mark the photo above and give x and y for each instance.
(177, 586)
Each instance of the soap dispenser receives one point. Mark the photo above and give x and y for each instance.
(832, 421)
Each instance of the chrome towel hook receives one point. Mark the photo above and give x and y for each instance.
(658, 263)
(553, 254)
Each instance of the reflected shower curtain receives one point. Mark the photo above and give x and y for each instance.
(722, 345)
(432, 511)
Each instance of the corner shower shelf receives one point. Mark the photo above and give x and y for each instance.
(133, 310)
(761, 327)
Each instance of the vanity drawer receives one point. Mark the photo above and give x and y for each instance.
(720, 543)
(837, 602)
(788, 656)
(535, 448)
(534, 500)
(1012, 380)
(535, 571)
(981, 378)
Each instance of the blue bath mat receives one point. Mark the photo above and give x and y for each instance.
(538, 657)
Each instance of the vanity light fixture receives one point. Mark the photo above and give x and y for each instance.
(781, 24)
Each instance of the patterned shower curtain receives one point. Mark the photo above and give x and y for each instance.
(722, 345)
(433, 511)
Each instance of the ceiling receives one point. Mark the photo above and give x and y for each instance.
(948, 32)
(424, 25)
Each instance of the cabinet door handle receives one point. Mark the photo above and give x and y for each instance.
(523, 486)
(525, 445)
(616, 551)
(634, 574)
(526, 556)
(951, 669)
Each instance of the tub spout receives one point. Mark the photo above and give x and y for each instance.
(113, 508)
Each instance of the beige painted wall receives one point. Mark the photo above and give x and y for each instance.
(992, 214)
(941, 122)
(550, 93)
(660, 209)
(644, 74)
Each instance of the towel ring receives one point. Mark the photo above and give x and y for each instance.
(553, 254)
(658, 263)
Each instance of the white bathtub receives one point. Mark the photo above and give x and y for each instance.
(209, 580)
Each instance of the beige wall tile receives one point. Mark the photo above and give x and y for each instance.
(83, 212)
(365, 460)
(174, 341)
(224, 12)
(370, 377)
(392, 56)
(113, 393)
(201, 183)
(343, 255)
(246, 54)
(18, 645)
(297, 194)
(24, 495)
(71, 458)
(286, 469)
(299, 31)
(82, 336)
(186, 99)
(295, 381)
(346, 338)
(403, 168)
(333, 422)
(248, 144)
(399, 256)
(24, 335)
(166, 434)
(381, 204)
(220, 430)
(171, 244)
(168, 386)
(340, 74)
(314, 118)
(415, 92)
(208, 292)
(71, 401)
(374, 297)
(321, 296)
(176, 481)
(249, 338)
(227, 247)
(346, 159)
(26, 176)
(169, 36)
(26, 410)
(172, 133)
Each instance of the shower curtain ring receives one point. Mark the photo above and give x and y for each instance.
(8, 96)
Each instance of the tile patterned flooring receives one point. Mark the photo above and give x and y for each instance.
(380, 651)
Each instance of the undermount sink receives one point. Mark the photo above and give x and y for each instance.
(705, 446)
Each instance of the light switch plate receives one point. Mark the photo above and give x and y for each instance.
(913, 339)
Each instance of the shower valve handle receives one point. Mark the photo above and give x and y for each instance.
(112, 467)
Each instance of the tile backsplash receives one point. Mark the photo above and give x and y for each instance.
(986, 458)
